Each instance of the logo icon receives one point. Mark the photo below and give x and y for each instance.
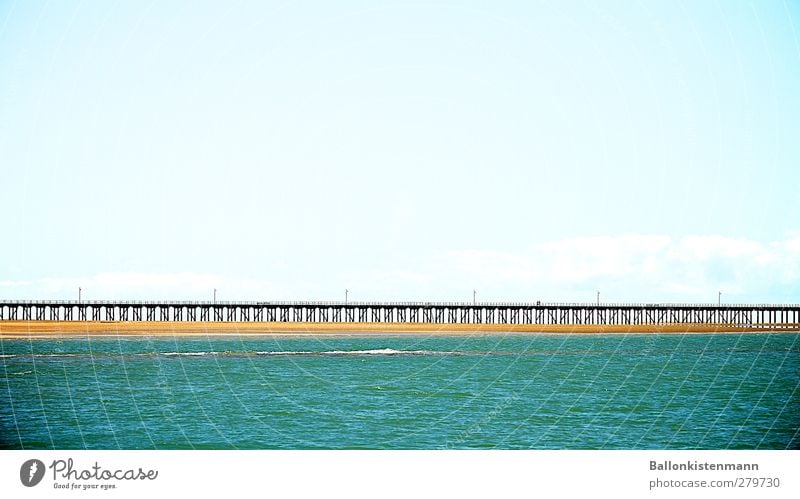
(31, 472)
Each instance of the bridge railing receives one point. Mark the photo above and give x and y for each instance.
(413, 304)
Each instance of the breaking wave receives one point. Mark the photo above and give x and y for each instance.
(380, 351)
(187, 354)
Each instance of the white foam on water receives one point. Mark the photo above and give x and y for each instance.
(380, 351)
(188, 354)
(288, 353)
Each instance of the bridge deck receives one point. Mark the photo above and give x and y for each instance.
(403, 312)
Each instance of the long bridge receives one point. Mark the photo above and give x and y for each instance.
(754, 315)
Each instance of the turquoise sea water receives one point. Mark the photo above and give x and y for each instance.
(406, 392)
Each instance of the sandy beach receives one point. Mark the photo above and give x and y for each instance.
(66, 329)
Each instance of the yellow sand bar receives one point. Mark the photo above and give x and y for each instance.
(59, 329)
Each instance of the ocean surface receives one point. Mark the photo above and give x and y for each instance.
(634, 391)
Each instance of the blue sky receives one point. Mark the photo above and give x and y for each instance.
(404, 150)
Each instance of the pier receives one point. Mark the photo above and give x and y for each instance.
(740, 315)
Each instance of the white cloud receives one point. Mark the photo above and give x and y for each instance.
(570, 260)
(691, 268)
(703, 248)
(628, 267)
